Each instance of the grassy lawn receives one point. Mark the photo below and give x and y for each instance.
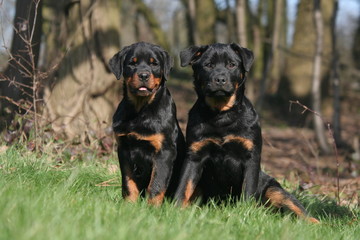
(41, 201)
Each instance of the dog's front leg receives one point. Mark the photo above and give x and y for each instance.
(130, 190)
(190, 176)
(252, 170)
(160, 176)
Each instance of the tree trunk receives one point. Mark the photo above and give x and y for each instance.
(206, 14)
(316, 79)
(299, 67)
(356, 46)
(241, 22)
(257, 35)
(24, 54)
(193, 34)
(201, 18)
(278, 39)
(154, 26)
(272, 58)
(82, 94)
(230, 23)
(335, 78)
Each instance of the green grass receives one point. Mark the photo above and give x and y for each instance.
(39, 201)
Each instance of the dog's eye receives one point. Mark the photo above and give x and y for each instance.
(154, 64)
(209, 65)
(231, 65)
(133, 63)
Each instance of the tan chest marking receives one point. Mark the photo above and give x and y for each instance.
(197, 146)
(156, 140)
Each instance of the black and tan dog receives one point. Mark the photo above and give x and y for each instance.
(223, 133)
(150, 142)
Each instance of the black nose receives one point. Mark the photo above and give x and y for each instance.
(220, 81)
(144, 76)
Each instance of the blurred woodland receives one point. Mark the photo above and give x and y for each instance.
(55, 70)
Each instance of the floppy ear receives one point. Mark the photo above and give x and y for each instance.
(168, 63)
(117, 61)
(245, 54)
(191, 54)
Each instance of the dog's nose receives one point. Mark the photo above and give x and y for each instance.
(220, 81)
(144, 76)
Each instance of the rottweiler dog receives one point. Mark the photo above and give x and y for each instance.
(150, 142)
(223, 134)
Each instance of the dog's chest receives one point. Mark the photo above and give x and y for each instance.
(135, 140)
(230, 151)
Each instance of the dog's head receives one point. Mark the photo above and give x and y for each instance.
(219, 71)
(144, 66)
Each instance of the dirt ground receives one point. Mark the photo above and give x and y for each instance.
(291, 152)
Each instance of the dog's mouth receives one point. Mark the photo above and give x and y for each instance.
(219, 93)
(143, 91)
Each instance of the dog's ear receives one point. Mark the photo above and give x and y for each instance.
(168, 63)
(191, 54)
(117, 61)
(246, 55)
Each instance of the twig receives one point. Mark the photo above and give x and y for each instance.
(106, 183)
(35, 18)
(331, 134)
(34, 74)
(27, 108)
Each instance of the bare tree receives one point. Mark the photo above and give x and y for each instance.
(21, 79)
(24, 54)
(316, 78)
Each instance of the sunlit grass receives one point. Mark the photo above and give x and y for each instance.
(40, 201)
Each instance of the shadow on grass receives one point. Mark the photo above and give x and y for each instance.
(328, 208)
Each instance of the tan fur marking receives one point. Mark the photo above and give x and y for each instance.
(156, 140)
(152, 60)
(312, 220)
(294, 208)
(189, 190)
(197, 146)
(154, 82)
(134, 59)
(278, 200)
(157, 200)
(247, 143)
(222, 104)
(133, 190)
(275, 197)
(299, 212)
